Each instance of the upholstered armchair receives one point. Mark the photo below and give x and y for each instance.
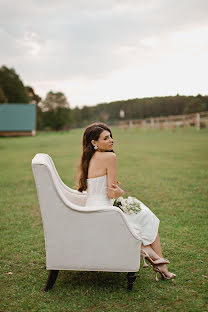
(81, 238)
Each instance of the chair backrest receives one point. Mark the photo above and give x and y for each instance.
(76, 239)
(78, 198)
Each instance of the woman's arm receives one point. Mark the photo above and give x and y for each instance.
(114, 190)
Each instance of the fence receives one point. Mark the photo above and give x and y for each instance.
(198, 120)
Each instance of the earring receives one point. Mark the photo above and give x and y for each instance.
(95, 147)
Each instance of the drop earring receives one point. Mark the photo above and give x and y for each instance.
(95, 147)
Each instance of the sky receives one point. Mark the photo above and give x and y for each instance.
(101, 51)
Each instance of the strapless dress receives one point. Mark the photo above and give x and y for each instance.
(145, 224)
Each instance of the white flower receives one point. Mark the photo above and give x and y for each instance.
(130, 200)
(128, 205)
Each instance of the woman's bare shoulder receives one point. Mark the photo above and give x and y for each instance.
(108, 155)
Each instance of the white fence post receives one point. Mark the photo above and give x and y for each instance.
(197, 121)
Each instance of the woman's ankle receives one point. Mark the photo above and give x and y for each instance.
(151, 252)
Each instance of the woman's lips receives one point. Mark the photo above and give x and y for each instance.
(111, 144)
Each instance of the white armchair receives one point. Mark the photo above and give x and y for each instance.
(81, 238)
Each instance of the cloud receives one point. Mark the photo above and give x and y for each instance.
(69, 42)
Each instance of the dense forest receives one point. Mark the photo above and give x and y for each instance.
(54, 112)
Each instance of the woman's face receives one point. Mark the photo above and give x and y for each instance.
(104, 142)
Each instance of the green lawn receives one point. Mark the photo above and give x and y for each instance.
(167, 171)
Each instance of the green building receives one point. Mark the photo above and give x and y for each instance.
(17, 119)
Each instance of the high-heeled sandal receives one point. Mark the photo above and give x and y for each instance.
(144, 255)
(158, 270)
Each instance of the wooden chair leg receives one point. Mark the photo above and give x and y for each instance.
(53, 274)
(131, 276)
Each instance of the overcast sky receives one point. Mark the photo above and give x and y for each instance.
(100, 51)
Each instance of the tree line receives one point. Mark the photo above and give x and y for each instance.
(141, 108)
(54, 112)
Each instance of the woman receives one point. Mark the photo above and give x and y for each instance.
(98, 175)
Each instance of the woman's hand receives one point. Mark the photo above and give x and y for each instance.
(115, 191)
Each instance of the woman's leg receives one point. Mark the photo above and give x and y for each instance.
(155, 251)
(156, 246)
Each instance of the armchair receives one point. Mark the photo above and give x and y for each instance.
(81, 238)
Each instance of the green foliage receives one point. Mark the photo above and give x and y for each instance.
(76, 117)
(55, 113)
(3, 98)
(32, 96)
(56, 120)
(54, 101)
(195, 105)
(166, 171)
(12, 86)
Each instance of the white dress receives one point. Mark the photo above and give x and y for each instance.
(145, 223)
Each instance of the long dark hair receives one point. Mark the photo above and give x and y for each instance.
(92, 132)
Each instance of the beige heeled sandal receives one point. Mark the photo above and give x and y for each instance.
(144, 255)
(158, 270)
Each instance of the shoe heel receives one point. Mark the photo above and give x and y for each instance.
(145, 265)
(163, 276)
(156, 277)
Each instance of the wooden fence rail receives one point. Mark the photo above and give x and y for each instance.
(198, 120)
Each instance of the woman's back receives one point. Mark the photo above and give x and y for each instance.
(98, 165)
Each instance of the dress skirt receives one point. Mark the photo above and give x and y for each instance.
(144, 223)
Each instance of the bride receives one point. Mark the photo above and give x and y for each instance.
(98, 176)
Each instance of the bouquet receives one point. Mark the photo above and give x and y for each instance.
(128, 205)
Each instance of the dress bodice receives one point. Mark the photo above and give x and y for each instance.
(97, 192)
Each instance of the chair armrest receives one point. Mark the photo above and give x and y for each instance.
(88, 209)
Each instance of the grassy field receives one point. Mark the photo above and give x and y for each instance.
(167, 171)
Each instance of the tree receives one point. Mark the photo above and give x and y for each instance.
(12, 86)
(3, 98)
(58, 119)
(76, 117)
(33, 98)
(54, 101)
(195, 105)
(56, 113)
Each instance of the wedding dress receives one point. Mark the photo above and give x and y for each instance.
(145, 223)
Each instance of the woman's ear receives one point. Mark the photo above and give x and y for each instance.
(93, 142)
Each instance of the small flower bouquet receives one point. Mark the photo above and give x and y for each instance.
(128, 205)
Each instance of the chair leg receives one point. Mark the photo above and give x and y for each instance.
(131, 276)
(53, 274)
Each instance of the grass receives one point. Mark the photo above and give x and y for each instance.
(167, 171)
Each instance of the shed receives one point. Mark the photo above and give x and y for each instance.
(17, 119)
